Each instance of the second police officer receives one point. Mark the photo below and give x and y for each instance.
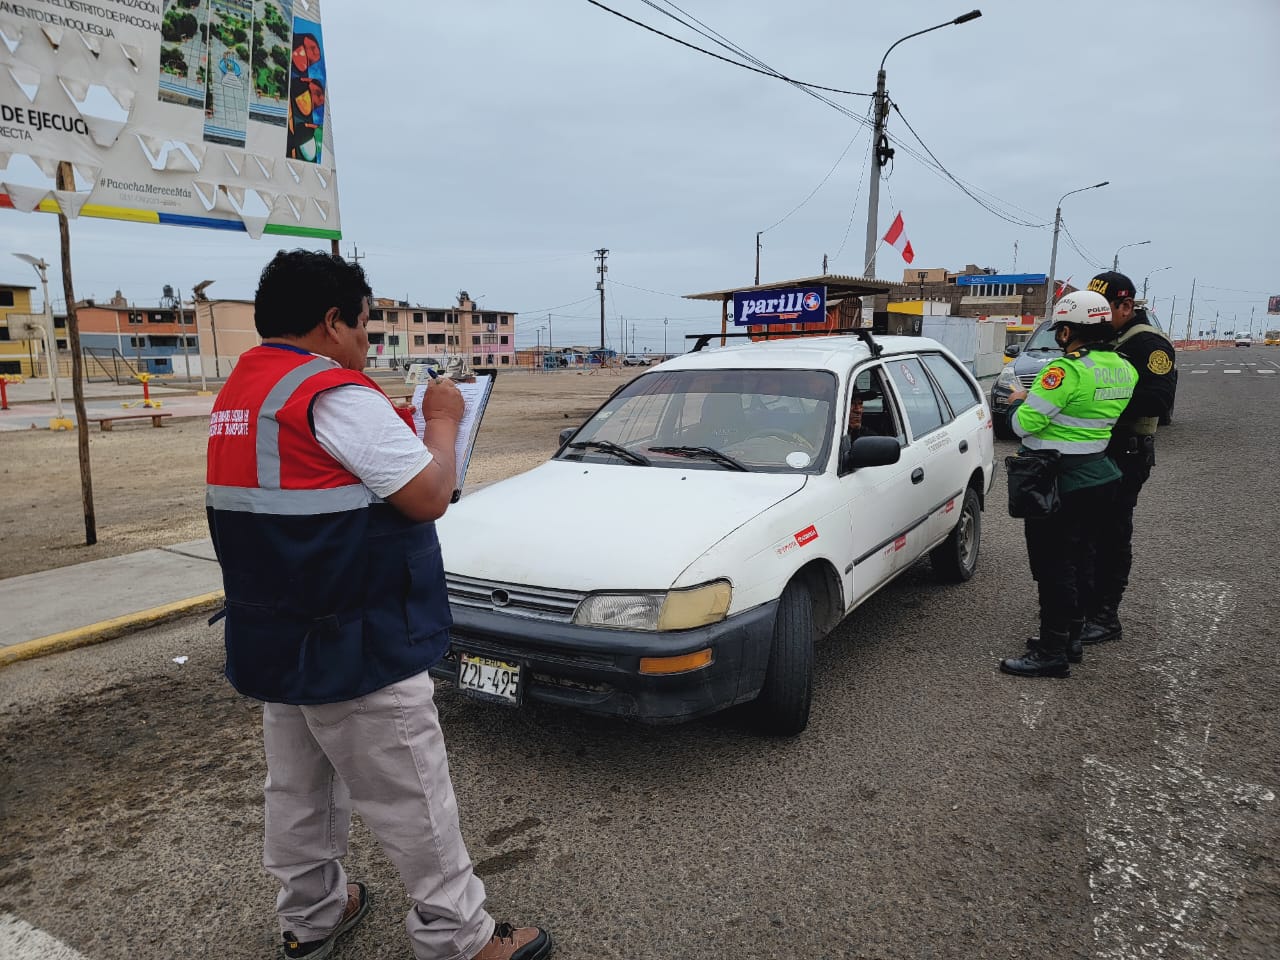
(1133, 447)
(1070, 410)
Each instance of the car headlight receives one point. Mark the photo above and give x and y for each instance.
(1007, 377)
(670, 610)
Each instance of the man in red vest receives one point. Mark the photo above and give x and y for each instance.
(321, 501)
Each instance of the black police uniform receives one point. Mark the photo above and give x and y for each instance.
(1133, 449)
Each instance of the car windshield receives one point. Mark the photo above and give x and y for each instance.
(1042, 339)
(764, 421)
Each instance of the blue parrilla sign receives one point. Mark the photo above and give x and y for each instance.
(789, 305)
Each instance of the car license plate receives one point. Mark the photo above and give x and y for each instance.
(490, 679)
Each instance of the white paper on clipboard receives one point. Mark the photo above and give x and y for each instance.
(475, 396)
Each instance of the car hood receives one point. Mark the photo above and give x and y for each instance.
(1027, 363)
(591, 526)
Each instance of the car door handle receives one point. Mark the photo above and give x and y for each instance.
(964, 446)
(917, 475)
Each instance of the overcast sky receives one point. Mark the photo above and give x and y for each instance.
(492, 145)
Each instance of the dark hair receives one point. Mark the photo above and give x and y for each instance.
(1091, 333)
(298, 287)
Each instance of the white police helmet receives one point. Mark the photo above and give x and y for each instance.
(1084, 308)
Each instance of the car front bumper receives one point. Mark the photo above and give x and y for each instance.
(598, 670)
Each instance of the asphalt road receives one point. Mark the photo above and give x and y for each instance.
(934, 808)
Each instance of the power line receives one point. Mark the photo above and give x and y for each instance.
(709, 53)
(821, 183)
(1087, 257)
(950, 176)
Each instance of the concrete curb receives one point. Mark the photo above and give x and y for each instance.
(107, 629)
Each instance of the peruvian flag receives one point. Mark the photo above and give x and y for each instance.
(897, 238)
(1062, 288)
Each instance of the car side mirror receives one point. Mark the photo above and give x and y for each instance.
(869, 452)
(566, 433)
(1012, 350)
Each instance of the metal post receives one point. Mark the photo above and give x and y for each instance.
(664, 338)
(1191, 306)
(182, 318)
(213, 328)
(51, 343)
(758, 232)
(1053, 264)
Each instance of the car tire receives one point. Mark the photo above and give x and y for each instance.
(782, 708)
(956, 558)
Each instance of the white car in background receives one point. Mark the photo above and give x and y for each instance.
(1244, 340)
(688, 545)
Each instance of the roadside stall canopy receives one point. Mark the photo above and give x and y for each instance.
(839, 288)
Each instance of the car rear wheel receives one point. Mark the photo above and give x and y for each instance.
(782, 708)
(956, 558)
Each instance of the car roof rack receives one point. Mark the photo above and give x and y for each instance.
(702, 339)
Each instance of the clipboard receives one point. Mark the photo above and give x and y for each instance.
(475, 397)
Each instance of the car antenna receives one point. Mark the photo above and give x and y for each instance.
(876, 349)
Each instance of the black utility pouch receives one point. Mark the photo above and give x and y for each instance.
(1147, 447)
(1033, 484)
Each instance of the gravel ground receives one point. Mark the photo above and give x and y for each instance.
(149, 484)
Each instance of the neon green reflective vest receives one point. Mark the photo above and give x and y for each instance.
(1075, 402)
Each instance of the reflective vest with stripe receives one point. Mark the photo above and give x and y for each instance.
(1075, 402)
(330, 593)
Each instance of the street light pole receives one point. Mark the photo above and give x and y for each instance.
(50, 342)
(197, 292)
(1053, 256)
(1115, 261)
(1148, 277)
(880, 143)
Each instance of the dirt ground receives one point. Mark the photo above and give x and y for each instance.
(149, 484)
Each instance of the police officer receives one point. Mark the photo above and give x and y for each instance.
(1071, 410)
(1133, 448)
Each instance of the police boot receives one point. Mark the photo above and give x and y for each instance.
(1046, 656)
(1075, 652)
(1102, 625)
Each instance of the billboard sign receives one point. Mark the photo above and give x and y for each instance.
(789, 305)
(207, 113)
(977, 279)
(1273, 304)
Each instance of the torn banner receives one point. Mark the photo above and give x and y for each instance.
(209, 113)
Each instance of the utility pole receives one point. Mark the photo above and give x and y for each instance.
(758, 232)
(883, 153)
(880, 142)
(601, 255)
(824, 264)
(1191, 307)
(664, 338)
(548, 333)
(355, 256)
(1053, 255)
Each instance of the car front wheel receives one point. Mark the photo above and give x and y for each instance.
(782, 708)
(956, 558)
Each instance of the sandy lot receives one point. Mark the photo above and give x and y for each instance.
(149, 484)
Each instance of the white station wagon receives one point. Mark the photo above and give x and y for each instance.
(686, 546)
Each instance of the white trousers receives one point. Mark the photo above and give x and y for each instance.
(383, 754)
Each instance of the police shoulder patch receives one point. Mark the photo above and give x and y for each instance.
(1052, 378)
(1159, 362)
